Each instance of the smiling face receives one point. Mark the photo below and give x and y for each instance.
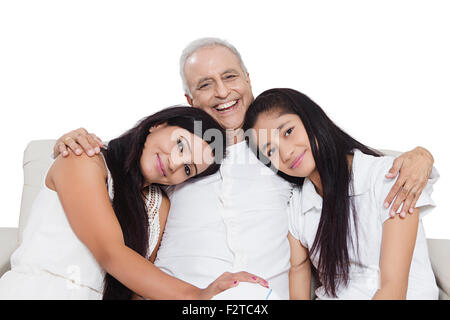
(172, 155)
(218, 85)
(283, 139)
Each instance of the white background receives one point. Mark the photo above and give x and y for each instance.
(380, 69)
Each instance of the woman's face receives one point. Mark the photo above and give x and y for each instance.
(283, 139)
(172, 155)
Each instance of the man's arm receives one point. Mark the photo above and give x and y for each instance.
(413, 169)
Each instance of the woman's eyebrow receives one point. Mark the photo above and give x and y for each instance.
(281, 126)
(189, 147)
(195, 166)
(187, 143)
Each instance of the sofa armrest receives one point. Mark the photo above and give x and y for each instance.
(439, 251)
(9, 243)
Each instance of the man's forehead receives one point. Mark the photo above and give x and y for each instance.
(209, 61)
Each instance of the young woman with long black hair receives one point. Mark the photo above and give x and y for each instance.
(337, 220)
(98, 221)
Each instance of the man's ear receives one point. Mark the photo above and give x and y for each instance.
(189, 99)
(248, 79)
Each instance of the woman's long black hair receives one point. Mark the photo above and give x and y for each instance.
(123, 160)
(330, 146)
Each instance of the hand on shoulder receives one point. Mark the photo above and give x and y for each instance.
(73, 167)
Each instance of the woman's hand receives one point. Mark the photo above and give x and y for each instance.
(414, 167)
(229, 280)
(78, 141)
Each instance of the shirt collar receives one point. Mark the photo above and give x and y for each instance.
(361, 184)
(361, 171)
(310, 198)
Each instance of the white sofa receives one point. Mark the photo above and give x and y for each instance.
(37, 157)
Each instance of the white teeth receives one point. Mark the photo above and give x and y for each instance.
(225, 105)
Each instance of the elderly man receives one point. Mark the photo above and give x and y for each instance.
(236, 219)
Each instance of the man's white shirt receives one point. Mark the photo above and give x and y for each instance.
(235, 220)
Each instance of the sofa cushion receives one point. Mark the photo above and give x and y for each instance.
(8, 240)
(36, 160)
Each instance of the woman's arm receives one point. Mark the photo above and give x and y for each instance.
(300, 271)
(399, 238)
(80, 184)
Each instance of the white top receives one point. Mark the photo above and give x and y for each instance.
(234, 220)
(370, 190)
(50, 245)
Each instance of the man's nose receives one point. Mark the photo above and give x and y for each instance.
(222, 90)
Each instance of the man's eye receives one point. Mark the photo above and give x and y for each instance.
(230, 76)
(180, 145)
(270, 152)
(204, 86)
(288, 132)
(187, 170)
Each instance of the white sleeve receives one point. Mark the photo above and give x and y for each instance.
(294, 212)
(434, 176)
(382, 186)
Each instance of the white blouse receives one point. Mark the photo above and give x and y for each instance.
(370, 188)
(51, 253)
(235, 220)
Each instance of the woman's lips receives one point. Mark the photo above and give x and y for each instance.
(298, 160)
(160, 166)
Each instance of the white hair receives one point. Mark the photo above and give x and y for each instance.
(203, 43)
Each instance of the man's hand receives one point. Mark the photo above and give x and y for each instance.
(414, 167)
(78, 141)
